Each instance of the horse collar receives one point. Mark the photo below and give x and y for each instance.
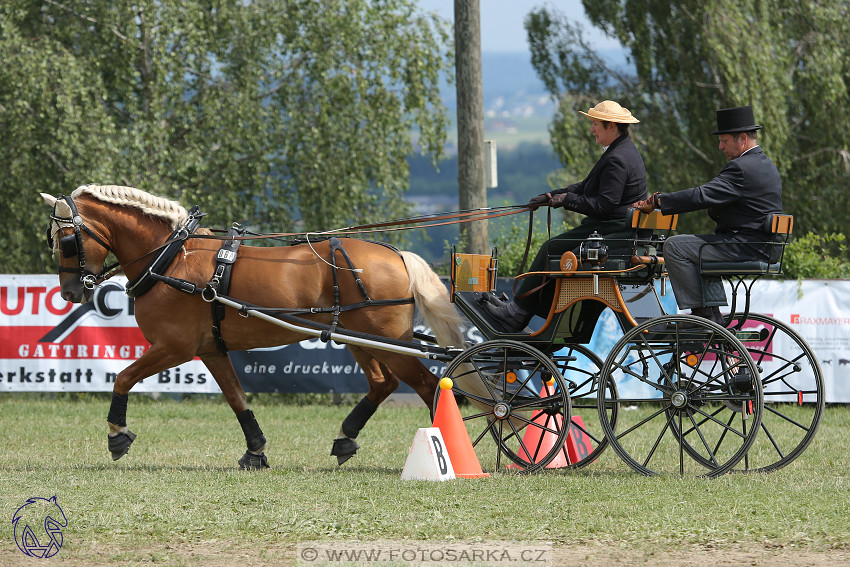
(146, 280)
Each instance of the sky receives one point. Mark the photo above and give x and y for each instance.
(502, 28)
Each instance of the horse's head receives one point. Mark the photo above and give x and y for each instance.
(78, 247)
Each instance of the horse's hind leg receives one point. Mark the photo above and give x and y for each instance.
(221, 368)
(382, 383)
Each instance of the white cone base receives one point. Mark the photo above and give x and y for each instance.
(428, 458)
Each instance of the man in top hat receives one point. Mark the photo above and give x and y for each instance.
(616, 181)
(739, 199)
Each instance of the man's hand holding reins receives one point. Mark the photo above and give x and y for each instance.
(649, 204)
(540, 200)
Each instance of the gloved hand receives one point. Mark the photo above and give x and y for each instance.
(557, 200)
(540, 200)
(649, 204)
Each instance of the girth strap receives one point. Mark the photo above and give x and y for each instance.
(336, 246)
(220, 282)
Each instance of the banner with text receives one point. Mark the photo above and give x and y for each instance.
(47, 344)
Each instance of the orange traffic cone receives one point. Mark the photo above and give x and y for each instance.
(579, 444)
(542, 442)
(448, 419)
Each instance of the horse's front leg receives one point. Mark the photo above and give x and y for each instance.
(221, 367)
(154, 360)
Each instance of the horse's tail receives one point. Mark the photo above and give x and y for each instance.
(432, 299)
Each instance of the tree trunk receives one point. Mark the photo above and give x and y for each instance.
(472, 193)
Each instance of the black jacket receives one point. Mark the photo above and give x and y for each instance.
(616, 181)
(739, 199)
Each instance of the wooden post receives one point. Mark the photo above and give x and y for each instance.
(472, 193)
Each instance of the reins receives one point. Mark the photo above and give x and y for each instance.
(425, 221)
(92, 280)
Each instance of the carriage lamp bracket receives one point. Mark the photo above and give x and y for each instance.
(594, 251)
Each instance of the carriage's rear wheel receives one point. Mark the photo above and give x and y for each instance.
(690, 398)
(581, 369)
(517, 399)
(792, 381)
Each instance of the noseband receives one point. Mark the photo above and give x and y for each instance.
(71, 245)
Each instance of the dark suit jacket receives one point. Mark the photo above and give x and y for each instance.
(739, 199)
(616, 181)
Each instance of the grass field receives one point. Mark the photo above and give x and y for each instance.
(178, 499)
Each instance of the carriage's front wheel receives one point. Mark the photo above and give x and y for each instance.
(690, 398)
(517, 398)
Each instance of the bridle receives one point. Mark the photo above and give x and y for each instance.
(71, 245)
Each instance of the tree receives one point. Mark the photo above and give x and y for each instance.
(260, 112)
(791, 61)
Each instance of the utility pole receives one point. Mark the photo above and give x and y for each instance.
(472, 193)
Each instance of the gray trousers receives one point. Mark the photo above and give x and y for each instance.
(681, 256)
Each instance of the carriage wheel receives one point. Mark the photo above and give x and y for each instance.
(581, 369)
(517, 398)
(690, 398)
(792, 381)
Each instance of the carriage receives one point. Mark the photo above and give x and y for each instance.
(676, 394)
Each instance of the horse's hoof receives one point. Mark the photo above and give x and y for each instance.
(253, 462)
(343, 449)
(120, 444)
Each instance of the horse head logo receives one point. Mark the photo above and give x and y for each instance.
(38, 527)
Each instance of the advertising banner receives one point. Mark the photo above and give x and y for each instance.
(47, 344)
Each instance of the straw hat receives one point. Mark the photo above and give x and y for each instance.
(610, 111)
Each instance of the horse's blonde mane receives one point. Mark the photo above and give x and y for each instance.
(159, 207)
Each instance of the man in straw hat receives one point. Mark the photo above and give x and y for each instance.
(616, 181)
(739, 199)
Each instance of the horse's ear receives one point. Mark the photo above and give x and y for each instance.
(49, 199)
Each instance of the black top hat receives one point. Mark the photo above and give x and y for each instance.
(734, 120)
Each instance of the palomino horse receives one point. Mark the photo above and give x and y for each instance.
(131, 224)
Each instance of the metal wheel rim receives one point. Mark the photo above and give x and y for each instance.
(778, 385)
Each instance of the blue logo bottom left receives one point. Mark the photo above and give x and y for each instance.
(38, 527)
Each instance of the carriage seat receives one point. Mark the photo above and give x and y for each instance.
(780, 226)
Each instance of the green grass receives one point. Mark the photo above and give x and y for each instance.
(178, 498)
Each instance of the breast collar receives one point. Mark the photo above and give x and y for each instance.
(142, 283)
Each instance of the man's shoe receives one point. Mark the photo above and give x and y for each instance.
(710, 313)
(488, 297)
(503, 319)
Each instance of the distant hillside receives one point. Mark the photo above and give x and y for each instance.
(517, 107)
(522, 173)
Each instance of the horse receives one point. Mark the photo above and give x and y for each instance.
(132, 224)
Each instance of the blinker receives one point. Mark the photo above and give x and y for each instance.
(68, 246)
